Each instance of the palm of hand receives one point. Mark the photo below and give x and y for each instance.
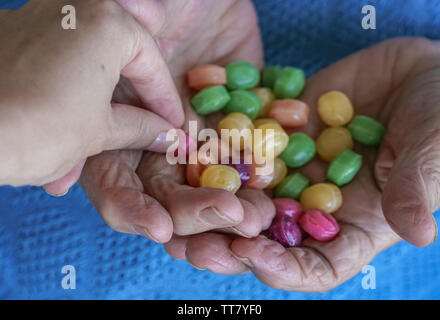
(383, 82)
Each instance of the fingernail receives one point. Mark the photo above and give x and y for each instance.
(144, 232)
(240, 233)
(213, 217)
(57, 195)
(436, 231)
(194, 266)
(160, 144)
(246, 261)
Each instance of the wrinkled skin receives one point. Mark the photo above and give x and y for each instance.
(397, 82)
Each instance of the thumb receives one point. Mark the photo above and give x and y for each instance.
(412, 189)
(136, 128)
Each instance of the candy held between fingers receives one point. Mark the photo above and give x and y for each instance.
(241, 75)
(344, 167)
(221, 177)
(366, 130)
(210, 100)
(210, 75)
(288, 207)
(335, 109)
(332, 141)
(323, 196)
(267, 97)
(300, 150)
(286, 232)
(292, 186)
(290, 83)
(290, 113)
(280, 172)
(270, 75)
(245, 102)
(319, 225)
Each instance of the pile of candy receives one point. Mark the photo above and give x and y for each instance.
(234, 90)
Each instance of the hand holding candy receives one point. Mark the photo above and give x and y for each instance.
(364, 231)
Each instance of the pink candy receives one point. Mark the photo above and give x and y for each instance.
(288, 207)
(319, 225)
(285, 231)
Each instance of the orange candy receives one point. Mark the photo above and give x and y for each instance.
(332, 142)
(290, 113)
(267, 97)
(209, 75)
(280, 172)
(258, 179)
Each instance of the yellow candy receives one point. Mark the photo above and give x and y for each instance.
(335, 109)
(280, 172)
(323, 196)
(271, 141)
(332, 142)
(261, 121)
(221, 177)
(240, 122)
(267, 97)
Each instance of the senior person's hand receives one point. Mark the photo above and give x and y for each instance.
(142, 193)
(56, 88)
(398, 83)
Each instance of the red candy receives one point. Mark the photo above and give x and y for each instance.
(319, 225)
(285, 231)
(288, 207)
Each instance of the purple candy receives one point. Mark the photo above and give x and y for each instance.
(243, 169)
(285, 231)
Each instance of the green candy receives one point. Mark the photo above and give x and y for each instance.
(241, 75)
(366, 130)
(245, 102)
(210, 100)
(300, 150)
(270, 75)
(292, 186)
(344, 167)
(290, 83)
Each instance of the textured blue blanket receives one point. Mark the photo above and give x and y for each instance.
(40, 234)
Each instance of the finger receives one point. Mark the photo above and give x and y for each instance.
(252, 223)
(412, 191)
(264, 205)
(210, 251)
(195, 210)
(136, 128)
(149, 75)
(150, 14)
(117, 194)
(259, 211)
(176, 247)
(60, 187)
(315, 267)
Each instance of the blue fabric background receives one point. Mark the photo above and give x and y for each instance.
(40, 234)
